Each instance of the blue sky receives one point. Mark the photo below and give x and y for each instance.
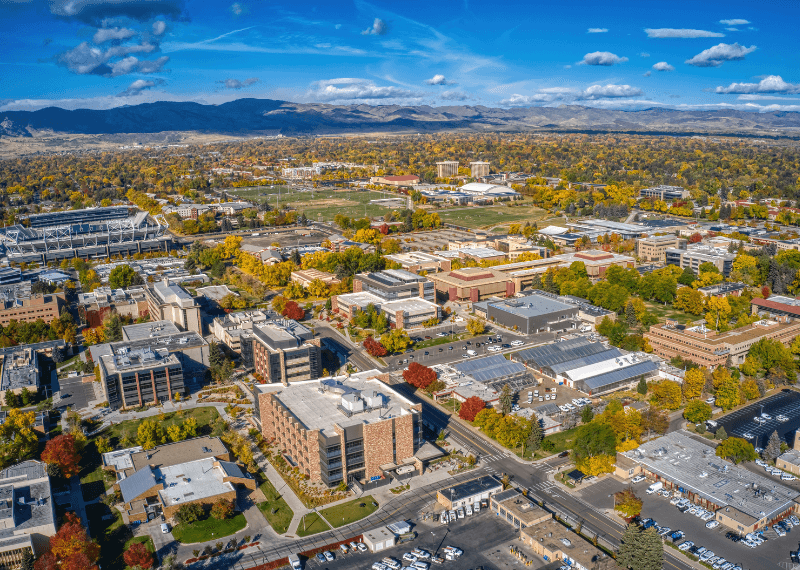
(613, 54)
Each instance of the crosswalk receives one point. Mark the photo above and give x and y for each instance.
(543, 486)
(496, 457)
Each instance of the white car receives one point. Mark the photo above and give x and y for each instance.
(164, 528)
(638, 479)
(707, 516)
(468, 508)
(712, 524)
(779, 530)
(787, 477)
(686, 545)
(420, 553)
(409, 557)
(761, 463)
(706, 556)
(517, 343)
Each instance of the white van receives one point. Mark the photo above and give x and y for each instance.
(655, 487)
(471, 352)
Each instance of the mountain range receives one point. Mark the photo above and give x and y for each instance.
(271, 117)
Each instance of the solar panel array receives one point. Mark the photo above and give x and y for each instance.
(586, 360)
(548, 355)
(492, 369)
(621, 375)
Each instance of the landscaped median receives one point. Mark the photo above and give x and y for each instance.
(352, 511)
(275, 509)
(310, 524)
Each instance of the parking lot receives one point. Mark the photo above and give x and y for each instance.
(484, 538)
(772, 553)
(74, 393)
(741, 423)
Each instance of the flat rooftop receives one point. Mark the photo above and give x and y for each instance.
(180, 452)
(120, 459)
(412, 306)
(141, 331)
(20, 370)
(472, 488)
(692, 464)
(479, 252)
(319, 404)
(735, 336)
(191, 481)
(531, 306)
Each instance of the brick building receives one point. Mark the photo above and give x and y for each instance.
(711, 349)
(101, 302)
(472, 284)
(285, 351)
(416, 261)
(347, 428)
(139, 376)
(402, 313)
(306, 276)
(45, 307)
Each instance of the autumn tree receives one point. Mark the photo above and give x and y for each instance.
(419, 376)
(374, 348)
(18, 440)
(693, 383)
(396, 340)
(222, 509)
(627, 503)
(655, 420)
(70, 548)
(137, 556)
(470, 408)
(697, 411)
(61, 451)
(103, 444)
(476, 327)
(666, 394)
(150, 434)
(737, 450)
(291, 310)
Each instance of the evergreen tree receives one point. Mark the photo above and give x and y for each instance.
(215, 356)
(587, 414)
(687, 277)
(296, 257)
(773, 449)
(534, 440)
(505, 400)
(640, 549)
(721, 434)
(630, 314)
(642, 386)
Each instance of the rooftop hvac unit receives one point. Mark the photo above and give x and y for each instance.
(352, 403)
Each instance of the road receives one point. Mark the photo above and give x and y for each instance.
(531, 476)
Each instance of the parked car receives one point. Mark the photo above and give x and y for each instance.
(638, 479)
(328, 555)
(684, 546)
(164, 528)
(712, 524)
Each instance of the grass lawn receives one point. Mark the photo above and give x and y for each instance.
(145, 539)
(437, 340)
(204, 416)
(282, 517)
(563, 440)
(352, 511)
(312, 523)
(667, 312)
(208, 529)
(325, 201)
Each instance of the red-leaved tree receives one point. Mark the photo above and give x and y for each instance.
(418, 375)
(374, 348)
(696, 238)
(70, 548)
(293, 311)
(470, 408)
(138, 555)
(61, 450)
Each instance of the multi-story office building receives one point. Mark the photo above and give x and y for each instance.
(169, 302)
(696, 255)
(447, 169)
(134, 377)
(394, 284)
(711, 349)
(654, 248)
(416, 261)
(339, 429)
(665, 193)
(27, 512)
(479, 168)
(285, 351)
(406, 313)
(534, 314)
(45, 307)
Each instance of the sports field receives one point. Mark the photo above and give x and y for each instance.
(488, 217)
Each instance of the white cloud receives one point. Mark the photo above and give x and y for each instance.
(596, 30)
(770, 84)
(680, 33)
(439, 79)
(644, 54)
(237, 9)
(159, 27)
(663, 66)
(86, 59)
(719, 54)
(356, 89)
(570, 95)
(95, 11)
(104, 34)
(732, 29)
(378, 28)
(734, 22)
(455, 96)
(605, 58)
(236, 84)
(138, 86)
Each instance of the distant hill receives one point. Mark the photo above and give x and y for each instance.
(266, 116)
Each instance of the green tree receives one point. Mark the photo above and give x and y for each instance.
(728, 393)
(587, 414)
(112, 328)
(594, 439)
(630, 314)
(721, 434)
(697, 411)
(641, 387)
(534, 439)
(640, 549)
(737, 450)
(215, 354)
(124, 276)
(505, 399)
(189, 513)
